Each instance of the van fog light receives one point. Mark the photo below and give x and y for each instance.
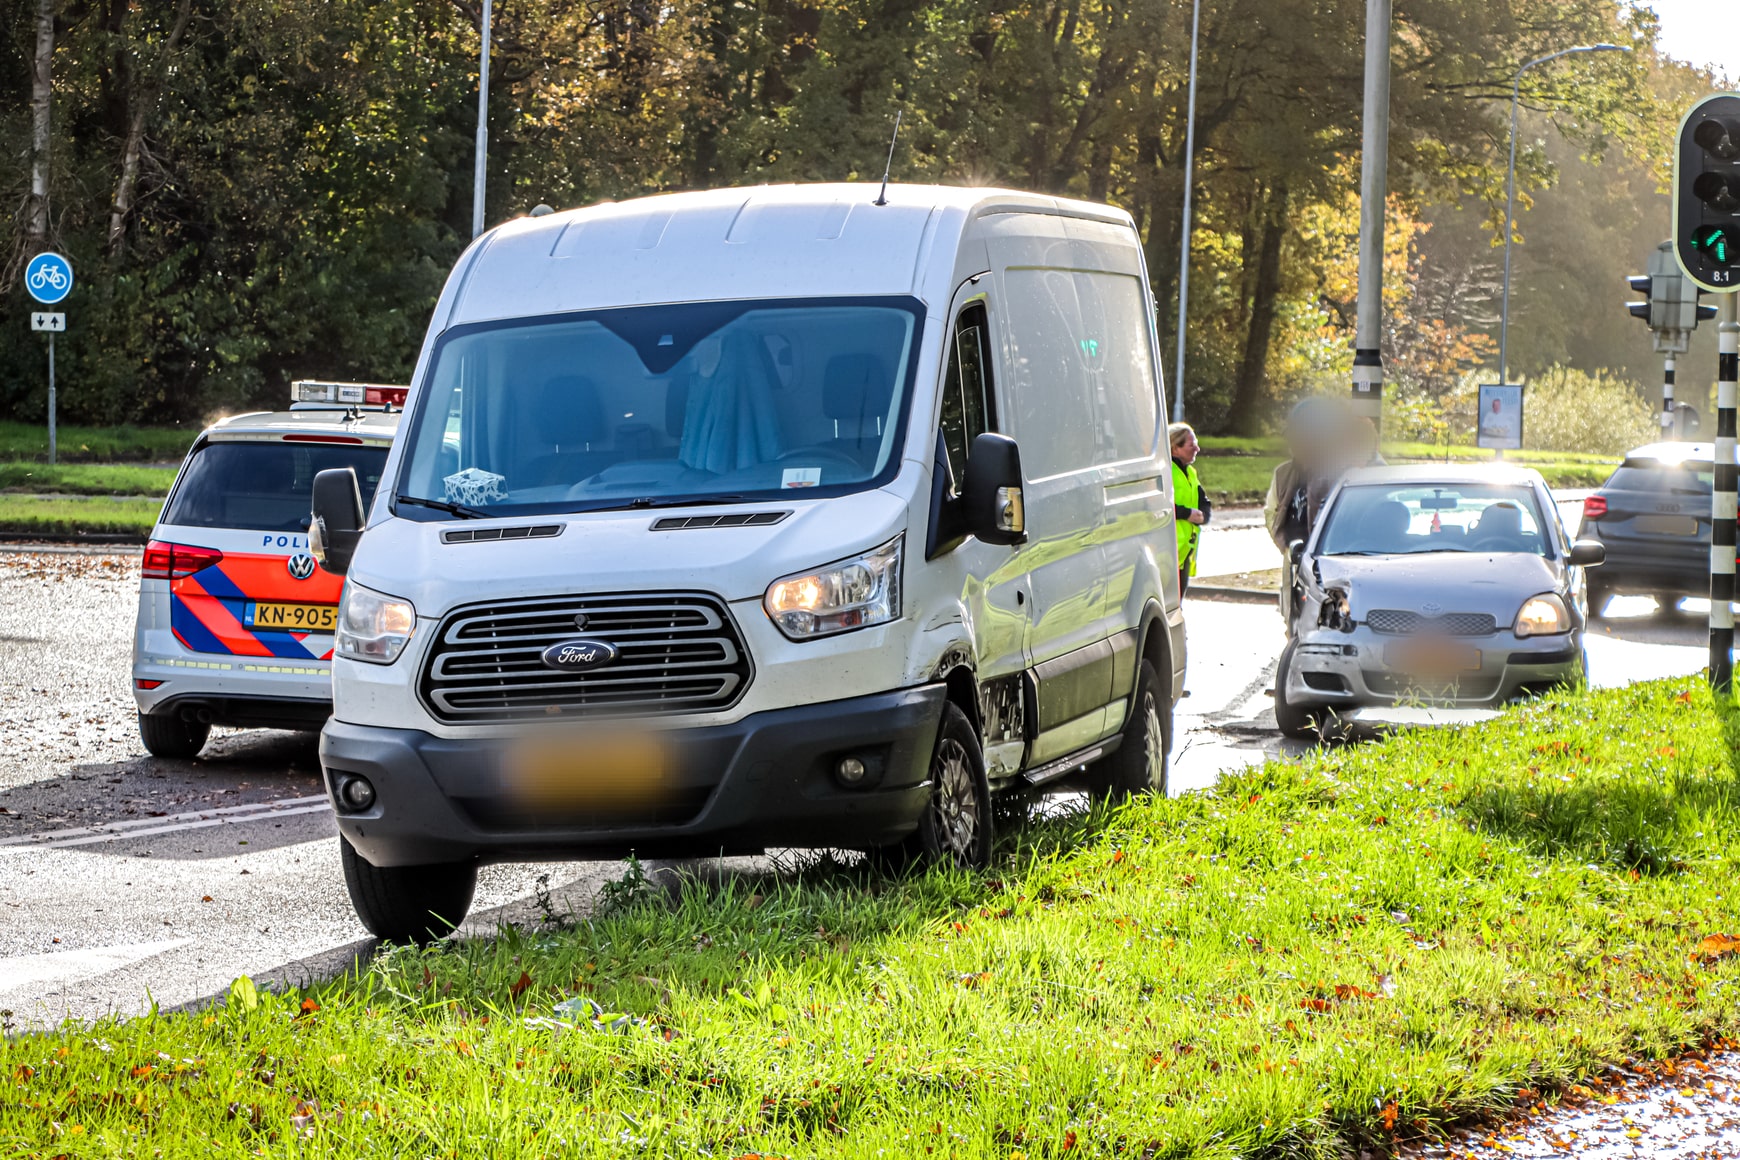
(850, 771)
(355, 793)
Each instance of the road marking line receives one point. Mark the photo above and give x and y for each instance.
(66, 843)
(69, 966)
(265, 809)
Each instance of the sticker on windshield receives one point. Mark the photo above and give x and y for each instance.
(474, 486)
(800, 477)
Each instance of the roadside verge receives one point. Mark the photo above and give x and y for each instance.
(1374, 942)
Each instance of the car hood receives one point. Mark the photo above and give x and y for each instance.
(1495, 583)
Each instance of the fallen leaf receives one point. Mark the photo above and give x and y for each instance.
(207, 898)
(521, 985)
(1715, 947)
(1389, 1116)
(309, 1006)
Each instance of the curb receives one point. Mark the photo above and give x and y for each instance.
(1232, 595)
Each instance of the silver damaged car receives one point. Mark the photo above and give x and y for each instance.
(1431, 585)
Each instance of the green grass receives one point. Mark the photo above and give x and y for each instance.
(96, 444)
(1379, 940)
(86, 479)
(1237, 470)
(56, 516)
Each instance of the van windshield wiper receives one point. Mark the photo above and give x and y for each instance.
(441, 505)
(653, 501)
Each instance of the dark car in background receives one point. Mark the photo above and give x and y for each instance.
(1653, 515)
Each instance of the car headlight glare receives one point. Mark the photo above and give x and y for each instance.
(1543, 615)
(855, 593)
(372, 627)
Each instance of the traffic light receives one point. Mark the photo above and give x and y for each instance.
(1671, 308)
(1707, 194)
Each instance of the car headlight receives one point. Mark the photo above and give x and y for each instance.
(372, 627)
(1543, 615)
(850, 594)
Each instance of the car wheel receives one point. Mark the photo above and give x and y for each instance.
(1139, 766)
(957, 825)
(1598, 593)
(408, 903)
(1295, 720)
(171, 736)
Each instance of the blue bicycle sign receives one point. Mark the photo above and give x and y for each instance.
(49, 278)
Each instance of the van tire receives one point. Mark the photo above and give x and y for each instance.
(419, 904)
(170, 736)
(1141, 763)
(1296, 721)
(957, 827)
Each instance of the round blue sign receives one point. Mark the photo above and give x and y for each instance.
(49, 278)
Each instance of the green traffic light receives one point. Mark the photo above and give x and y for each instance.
(1717, 242)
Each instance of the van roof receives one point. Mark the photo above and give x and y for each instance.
(771, 241)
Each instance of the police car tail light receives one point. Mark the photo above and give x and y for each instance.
(166, 561)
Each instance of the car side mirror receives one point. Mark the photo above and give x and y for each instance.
(991, 501)
(337, 520)
(1296, 552)
(1587, 553)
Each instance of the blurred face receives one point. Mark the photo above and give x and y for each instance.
(1185, 449)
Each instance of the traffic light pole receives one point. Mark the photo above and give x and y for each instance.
(1667, 398)
(1723, 502)
(1374, 157)
(51, 447)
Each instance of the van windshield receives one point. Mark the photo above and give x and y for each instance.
(660, 406)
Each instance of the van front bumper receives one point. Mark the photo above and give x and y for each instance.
(766, 780)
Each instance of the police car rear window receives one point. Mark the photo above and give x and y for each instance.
(1689, 478)
(263, 487)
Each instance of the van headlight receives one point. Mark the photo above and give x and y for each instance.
(1543, 615)
(850, 594)
(372, 627)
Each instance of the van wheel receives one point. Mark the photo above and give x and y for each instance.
(1296, 721)
(168, 735)
(408, 903)
(1139, 766)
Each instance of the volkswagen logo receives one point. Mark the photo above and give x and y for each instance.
(579, 656)
(301, 565)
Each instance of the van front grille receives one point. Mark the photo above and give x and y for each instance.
(676, 653)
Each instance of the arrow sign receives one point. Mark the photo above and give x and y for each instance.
(49, 278)
(53, 323)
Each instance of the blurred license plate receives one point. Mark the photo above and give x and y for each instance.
(1668, 525)
(291, 617)
(1432, 658)
(598, 772)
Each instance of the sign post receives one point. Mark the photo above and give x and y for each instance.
(49, 279)
(1500, 425)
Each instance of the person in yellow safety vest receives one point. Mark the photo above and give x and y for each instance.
(1191, 506)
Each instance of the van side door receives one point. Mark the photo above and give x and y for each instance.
(992, 578)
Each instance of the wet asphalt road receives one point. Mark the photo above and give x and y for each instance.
(125, 880)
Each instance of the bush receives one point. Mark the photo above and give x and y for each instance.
(1570, 410)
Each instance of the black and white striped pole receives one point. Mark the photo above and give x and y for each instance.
(1667, 398)
(1723, 505)
(1706, 242)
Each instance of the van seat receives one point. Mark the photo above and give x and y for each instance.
(570, 418)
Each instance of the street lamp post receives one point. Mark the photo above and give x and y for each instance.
(1510, 192)
(482, 163)
(1184, 235)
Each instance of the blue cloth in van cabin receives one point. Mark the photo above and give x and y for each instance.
(732, 421)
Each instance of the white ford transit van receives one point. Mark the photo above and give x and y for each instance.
(788, 516)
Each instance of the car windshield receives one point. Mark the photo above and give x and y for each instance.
(1391, 520)
(263, 485)
(660, 406)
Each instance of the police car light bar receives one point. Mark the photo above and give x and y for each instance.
(348, 394)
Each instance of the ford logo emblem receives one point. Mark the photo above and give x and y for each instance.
(579, 656)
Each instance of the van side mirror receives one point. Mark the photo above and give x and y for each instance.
(1587, 553)
(991, 501)
(337, 519)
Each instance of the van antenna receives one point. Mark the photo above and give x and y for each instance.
(882, 196)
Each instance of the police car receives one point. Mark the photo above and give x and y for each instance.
(235, 619)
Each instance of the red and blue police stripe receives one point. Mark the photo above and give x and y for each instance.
(208, 610)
